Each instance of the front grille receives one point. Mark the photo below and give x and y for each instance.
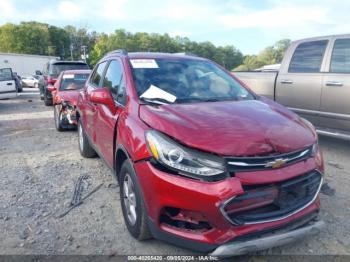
(273, 202)
(242, 164)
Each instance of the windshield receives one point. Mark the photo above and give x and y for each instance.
(56, 69)
(73, 81)
(184, 80)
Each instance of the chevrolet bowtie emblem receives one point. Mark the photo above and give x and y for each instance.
(277, 163)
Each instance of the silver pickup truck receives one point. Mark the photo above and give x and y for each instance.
(313, 81)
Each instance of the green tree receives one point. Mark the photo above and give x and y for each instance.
(67, 42)
(280, 48)
(227, 56)
(59, 42)
(270, 55)
(27, 37)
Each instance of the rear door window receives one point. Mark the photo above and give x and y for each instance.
(340, 62)
(308, 57)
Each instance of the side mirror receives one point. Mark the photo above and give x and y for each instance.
(103, 96)
(38, 72)
(51, 88)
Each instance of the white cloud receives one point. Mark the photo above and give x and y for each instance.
(276, 18)
(7, 8)
(222, 22)
(111, 9)
(69, 10)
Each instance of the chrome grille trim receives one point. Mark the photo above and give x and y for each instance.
(241, 164)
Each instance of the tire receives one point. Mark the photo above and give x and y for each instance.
(57, 116)
(84, 145)
(41, 91)
(131, 199)
(47, 101)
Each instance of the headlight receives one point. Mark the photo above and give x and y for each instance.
(311, 126)
(314, 149)
(66, 104)
(185, 161)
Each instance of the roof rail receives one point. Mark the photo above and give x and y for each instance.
(185, 53)
(118, 51)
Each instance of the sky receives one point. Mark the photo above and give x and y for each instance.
(248, 25)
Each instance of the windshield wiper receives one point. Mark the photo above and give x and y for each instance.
(155, 100)
(196, 99)
(212, 100)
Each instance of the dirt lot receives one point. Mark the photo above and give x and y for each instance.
(39, 166)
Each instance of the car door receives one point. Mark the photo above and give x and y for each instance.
(106, 120)
(31, 81)
(88, 111)
(299, 84)
(7, 83)
(335, 100)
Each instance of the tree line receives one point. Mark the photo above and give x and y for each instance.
(67, 43)
(43, 39)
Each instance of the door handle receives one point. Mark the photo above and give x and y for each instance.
(9, 84)
(286, 81)
(333, 83)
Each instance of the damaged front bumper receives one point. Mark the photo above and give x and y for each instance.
(68, 115)
(274, 240)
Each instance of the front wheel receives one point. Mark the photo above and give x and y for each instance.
(134, 211)
(84, 145)
(47, 101)
(57, 117)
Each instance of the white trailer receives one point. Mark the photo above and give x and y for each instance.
(24, 64)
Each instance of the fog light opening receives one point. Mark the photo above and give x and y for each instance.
(184, 219)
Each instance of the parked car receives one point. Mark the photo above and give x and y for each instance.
(65, 94)
(202, 162)
(30, 81)
(313, 81)
(50, 73)
(8, 87)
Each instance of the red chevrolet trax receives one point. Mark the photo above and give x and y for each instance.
(65, 93)
(202, 162)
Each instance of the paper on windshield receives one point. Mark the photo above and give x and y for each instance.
(155, 92)
(68, 76)
(144, 63)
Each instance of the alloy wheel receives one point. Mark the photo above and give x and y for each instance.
(129, 198)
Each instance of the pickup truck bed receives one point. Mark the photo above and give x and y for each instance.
(313, 81)
(263, 83)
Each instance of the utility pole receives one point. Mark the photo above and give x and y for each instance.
(83, 50)
(71, 51)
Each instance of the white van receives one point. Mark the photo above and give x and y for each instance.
(7, 84)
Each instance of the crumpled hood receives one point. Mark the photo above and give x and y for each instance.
(69, 96)
(230, 128)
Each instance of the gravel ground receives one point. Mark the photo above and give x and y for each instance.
(39, 166)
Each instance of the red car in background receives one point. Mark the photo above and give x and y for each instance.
(202, 161)
(65, 94)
